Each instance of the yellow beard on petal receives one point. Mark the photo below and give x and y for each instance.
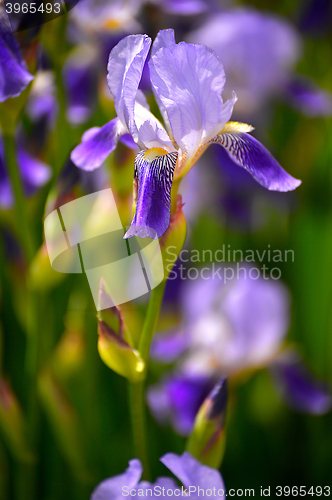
(236, 127)
(153, 153)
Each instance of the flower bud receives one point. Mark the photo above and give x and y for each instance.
(114, 344)
(207, 441)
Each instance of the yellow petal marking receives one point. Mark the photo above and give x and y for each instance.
(153, 153)
(236, 127)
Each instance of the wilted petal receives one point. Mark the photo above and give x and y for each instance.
(300, 390)
(111, 489)
(188, 80)
(250, 154)
(191, 473)
(308, 98)
(97, 143)
(14, 75)
(125, 67)
(154, 171)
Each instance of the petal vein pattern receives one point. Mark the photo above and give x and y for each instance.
(250, 154)
(154, 172)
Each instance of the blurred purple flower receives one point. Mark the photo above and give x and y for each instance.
(297, 386)
(80, 75)
(187, 469)
(259, 52)
(14, 74)
(187, 81)
(34, 173)
(228, 328)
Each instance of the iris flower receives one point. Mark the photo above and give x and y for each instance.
(187, 81)
(187, 469)
(230, 329)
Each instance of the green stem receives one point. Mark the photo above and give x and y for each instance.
(151, 319)
(138, 425)
(23, 228)
(136, 391)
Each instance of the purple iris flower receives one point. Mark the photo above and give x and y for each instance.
(227, 328)
(34, 173)
(187, 81)
(14, 74)
(259, 52)
(187, 469)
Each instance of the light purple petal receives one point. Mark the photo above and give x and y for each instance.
(308, 98)
(192, 473)
(125, 67)
(300, 390)
(184, 7)
(167, 347)
(236, 324)
(250, 154)
(14, 75)
(111, 489)
(164, 38)
(154, 177)
(188, 80)
(97, 143)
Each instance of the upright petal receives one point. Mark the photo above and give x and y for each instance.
(154, 171)
(250, 154)
(125, 67)
(14, 75)
(188, 80)
(97, 143)
(111, 489)
(300, 390)
(191, 473)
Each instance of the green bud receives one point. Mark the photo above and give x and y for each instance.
(207, 441)
(114, 344)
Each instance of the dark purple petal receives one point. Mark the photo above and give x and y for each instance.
(255, 158)
(300, 390)
(192, 473)
(14, 75)
(154, 175)
(308, 98)
(178, 398)
(97, 143)
(167, 347)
